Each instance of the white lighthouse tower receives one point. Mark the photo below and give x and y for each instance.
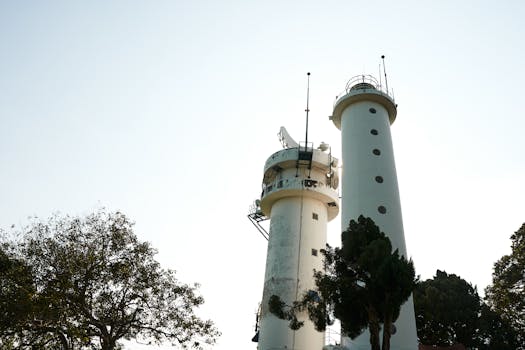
(299, 197)
(364, 114)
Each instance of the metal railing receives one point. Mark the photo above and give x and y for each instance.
(366, 80)
(297, 184)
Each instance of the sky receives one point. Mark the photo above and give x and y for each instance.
(167, 111)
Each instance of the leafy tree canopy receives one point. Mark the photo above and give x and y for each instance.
(450, 311)
(447, 309)
(363, 285)
(495, 333)
(88, 283)
(16, 291)
(506, 295)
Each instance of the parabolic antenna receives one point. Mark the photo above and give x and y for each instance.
(286, 140)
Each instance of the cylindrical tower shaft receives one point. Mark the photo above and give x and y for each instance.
(299, 197)
(369, 181)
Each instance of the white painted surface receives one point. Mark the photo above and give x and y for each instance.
(294, 233)
(363, 195)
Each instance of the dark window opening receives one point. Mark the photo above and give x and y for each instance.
(314, 252)
(315, 216)
(372, 110)
(376, 152)
(381, 209)
(379, 179)
(374, 132)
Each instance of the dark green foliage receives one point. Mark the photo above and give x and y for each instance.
(363, 285)
(277, 307)
(16, 288)
(16, 296)
(506, 295)
(447, 311)
(495, 333)
(95, 284)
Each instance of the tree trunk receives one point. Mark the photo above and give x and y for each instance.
(63, 341)
(108, 343)
(373, 326)
(387, 331)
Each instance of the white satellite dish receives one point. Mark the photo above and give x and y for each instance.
(286, 140)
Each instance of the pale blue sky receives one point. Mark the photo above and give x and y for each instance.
(167, 111)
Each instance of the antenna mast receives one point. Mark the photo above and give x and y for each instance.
(380, 82)
(307, 107)
(384, 70)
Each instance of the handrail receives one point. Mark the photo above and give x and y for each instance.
(362, 79)
(296, 184)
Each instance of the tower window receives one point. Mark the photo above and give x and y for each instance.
(374, 132)
(315, 216)
(379, 179)
(381, 209)
(376, 152)
(314, 252)
(372, 110)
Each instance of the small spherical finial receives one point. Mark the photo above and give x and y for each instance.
(383, 56)
(308, 73)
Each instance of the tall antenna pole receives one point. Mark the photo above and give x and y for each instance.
(307, 108)
(380, 82)
(384, 69)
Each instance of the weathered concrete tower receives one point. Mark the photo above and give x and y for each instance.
(364, 114)
(299, 196)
